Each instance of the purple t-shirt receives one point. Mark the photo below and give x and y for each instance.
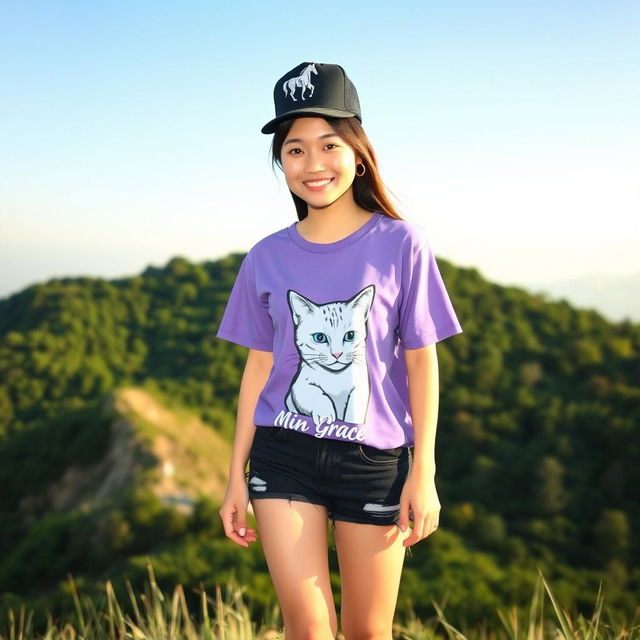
(337, 317)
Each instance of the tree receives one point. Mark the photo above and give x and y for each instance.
(548, 489)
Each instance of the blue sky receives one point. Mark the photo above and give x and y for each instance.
(131, 131)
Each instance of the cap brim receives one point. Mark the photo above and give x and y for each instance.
(271, 126)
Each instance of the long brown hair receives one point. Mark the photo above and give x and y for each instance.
(369, 192)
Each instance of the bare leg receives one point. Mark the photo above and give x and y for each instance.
(371, 557)
(295, 540)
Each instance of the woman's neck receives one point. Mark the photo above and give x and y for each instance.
(324, 226)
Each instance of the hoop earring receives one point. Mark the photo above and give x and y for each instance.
(364, 169)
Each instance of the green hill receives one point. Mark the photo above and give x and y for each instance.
(538, 443)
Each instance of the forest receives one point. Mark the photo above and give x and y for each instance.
(538, 445)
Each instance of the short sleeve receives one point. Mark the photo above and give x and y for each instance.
(246, 320)
(426, 314)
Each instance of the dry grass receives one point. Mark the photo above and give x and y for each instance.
(157, 616)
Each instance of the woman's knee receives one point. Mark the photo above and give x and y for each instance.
(306, 628)
(367, 630)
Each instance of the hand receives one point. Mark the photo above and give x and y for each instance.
(234, 514)
(419, 496)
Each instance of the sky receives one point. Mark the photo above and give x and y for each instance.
(130, 131)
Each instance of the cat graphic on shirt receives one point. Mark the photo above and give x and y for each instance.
(332, 381)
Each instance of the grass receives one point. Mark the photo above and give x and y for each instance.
(156, 616)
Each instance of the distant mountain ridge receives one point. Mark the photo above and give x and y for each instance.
(617, 297)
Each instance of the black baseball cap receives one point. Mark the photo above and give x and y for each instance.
(314, 88)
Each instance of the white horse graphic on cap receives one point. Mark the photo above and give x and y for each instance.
(303, 80)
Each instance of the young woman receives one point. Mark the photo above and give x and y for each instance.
(338, 402)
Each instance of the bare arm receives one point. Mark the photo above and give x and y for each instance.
(255, 375)
(424, 388)
(419, 493)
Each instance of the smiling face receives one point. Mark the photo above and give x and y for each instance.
(319, 166)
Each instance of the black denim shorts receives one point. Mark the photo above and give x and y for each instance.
(355, 481)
